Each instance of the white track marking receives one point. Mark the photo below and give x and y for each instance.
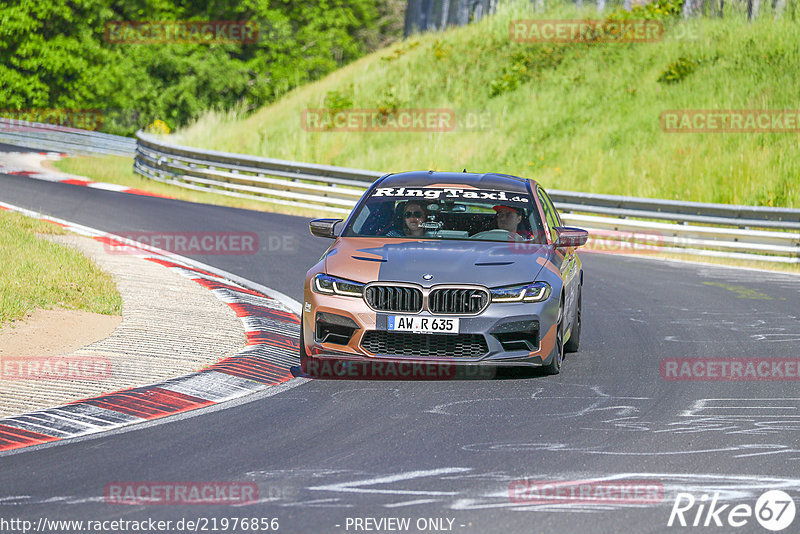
(409, 503)
(355, 486)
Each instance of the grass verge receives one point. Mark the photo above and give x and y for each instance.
(38, 273)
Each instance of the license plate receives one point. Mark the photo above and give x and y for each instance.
(425, 325)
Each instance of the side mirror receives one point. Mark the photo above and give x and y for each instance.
(571, 237)
(324, 227)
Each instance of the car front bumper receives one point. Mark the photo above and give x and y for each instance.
(504, 334)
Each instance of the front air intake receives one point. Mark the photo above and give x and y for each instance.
(407, 344)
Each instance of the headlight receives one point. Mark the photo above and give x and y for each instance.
(331, 285)
(534, 292)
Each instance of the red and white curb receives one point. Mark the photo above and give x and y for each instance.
(17, 170)
(272, 327)
(50, 154)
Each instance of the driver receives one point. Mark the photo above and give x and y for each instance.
(508, 218)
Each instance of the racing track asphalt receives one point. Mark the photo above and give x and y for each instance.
(4, 147)
(328, 450)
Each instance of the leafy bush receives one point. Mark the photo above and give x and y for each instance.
(678, 70)
(335, 100)
(400, 51)
(523, 65)
(158, 127)
(517, 72)
(389, 102)
(657, 10)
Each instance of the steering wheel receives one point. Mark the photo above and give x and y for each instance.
(498, 234)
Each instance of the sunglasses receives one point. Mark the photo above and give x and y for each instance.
(415, 214)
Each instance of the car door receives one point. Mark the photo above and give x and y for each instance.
(566, 256)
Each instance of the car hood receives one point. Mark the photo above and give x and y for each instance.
(486, 263)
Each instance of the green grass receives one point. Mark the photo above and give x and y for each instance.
(38, 273)
(581, 117)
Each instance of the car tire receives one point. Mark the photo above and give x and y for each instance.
(574, 341)
(554, 367)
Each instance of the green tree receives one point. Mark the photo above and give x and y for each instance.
(53, 54)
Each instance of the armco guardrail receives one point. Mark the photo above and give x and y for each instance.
(334, 189)
(62, 139)
(745, 232)
(701, 212)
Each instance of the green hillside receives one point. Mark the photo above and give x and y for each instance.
(575, 116)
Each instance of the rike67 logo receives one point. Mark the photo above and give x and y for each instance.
(774, 510)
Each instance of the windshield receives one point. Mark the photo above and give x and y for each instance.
(447, 213)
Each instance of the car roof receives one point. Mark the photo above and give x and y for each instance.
(493, 181)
